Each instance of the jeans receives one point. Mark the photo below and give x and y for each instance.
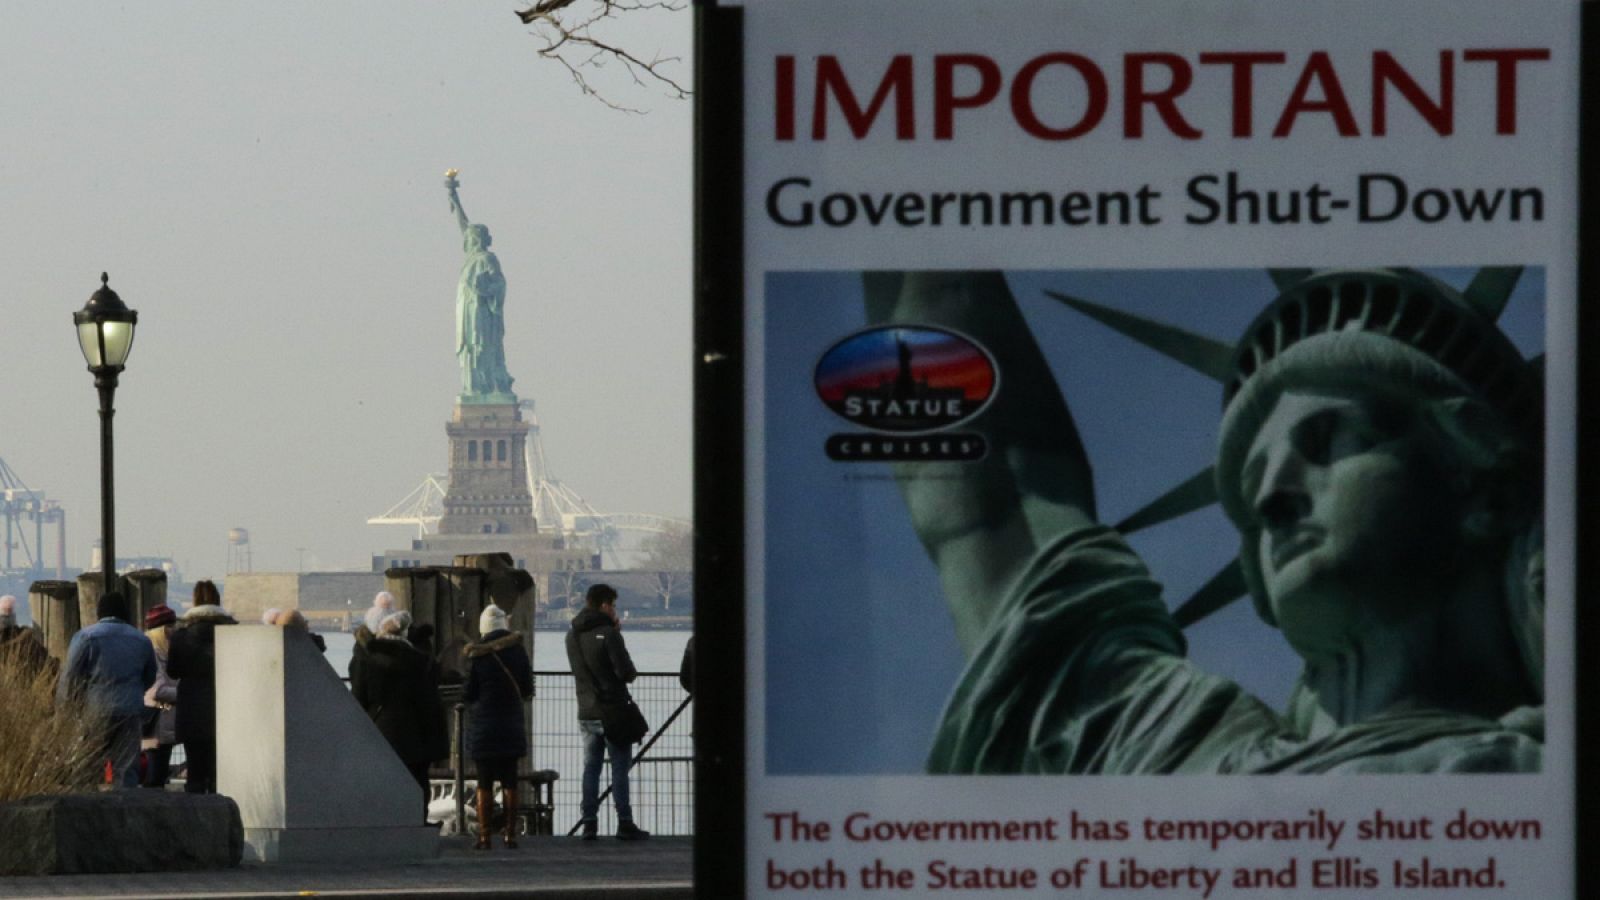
(594, 746)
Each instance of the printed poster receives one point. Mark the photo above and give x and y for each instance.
(1160, 457)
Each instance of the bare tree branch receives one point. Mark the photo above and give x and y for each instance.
(570, 31)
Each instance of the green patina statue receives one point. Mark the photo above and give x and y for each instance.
(480, 303)
(1380, 456)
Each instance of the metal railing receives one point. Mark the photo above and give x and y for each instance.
(661, 785)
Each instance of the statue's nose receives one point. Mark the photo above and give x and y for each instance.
(1282, 508)
(1282, 500)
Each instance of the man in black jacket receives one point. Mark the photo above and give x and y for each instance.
(601, 670)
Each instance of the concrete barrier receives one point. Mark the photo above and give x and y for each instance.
(314, 779)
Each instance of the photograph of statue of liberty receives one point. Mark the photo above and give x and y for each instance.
(1352, 458)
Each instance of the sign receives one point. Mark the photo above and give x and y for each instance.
(1158, 447)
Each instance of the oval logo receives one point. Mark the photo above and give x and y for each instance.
(906, 378)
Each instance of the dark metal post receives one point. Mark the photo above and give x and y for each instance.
(458, 767)
(107, 384)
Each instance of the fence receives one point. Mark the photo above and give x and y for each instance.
(661, 786)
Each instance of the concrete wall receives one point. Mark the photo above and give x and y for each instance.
(313, 777)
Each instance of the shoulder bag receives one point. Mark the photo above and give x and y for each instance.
(623, 722)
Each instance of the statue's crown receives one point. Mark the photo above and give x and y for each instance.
(1453, 328)
(1400, 310)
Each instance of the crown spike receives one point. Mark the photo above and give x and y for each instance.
(1208, 356)
(1197, 492)
(1491, 288)
(1224, 587)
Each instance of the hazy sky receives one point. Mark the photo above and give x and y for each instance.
(264, 185)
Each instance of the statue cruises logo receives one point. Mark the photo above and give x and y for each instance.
(907, 385)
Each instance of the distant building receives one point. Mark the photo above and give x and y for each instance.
(326, 598)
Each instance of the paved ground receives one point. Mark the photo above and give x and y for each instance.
(552, 868)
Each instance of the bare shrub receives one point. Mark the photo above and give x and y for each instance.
(44, 748)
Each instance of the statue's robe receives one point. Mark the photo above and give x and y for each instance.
(1083, 672)
(480, 328)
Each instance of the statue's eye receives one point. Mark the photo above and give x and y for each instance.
(1313, 437)
(1334, 434)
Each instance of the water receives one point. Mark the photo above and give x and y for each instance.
(652, 651)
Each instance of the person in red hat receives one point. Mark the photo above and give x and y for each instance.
(160, 701)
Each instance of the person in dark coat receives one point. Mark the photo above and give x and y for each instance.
(499, 678)
(601, 673)
(192, 659)
(686, 668)
(394, 689)
(382, 605)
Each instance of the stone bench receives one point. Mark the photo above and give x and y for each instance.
(119, 831)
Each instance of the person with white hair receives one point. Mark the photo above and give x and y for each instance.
(382, 605)
(500, 677)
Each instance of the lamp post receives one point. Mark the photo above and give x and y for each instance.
(105, 334)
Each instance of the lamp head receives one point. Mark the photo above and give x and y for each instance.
(105, 330)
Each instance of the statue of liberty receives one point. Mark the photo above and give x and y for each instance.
(1380, 455)
(480, 302)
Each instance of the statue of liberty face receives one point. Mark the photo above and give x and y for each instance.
(477, 238)
(1358, 526)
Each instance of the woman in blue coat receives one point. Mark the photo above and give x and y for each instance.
(500, 677)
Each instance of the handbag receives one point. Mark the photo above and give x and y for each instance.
(623, 722)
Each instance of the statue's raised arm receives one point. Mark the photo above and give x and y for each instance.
(1035, 484)
(451, 185)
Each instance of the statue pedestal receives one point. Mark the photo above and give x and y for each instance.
(488, 492)
(314, 779)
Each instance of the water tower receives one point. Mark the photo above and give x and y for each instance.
(238, 550)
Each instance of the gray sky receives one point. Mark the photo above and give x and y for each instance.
(264, 185)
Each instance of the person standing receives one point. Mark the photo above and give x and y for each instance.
(109, 666)
(161, 725)
(192, 659)
(23, 642)
(382, 605)
(601, 671)
(499, 678)
(394, 690)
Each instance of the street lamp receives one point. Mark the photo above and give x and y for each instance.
(105, 334)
